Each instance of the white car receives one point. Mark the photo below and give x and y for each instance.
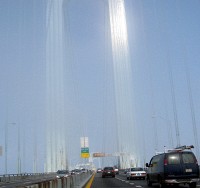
(99, 170)
(136, 173)
(116, 171)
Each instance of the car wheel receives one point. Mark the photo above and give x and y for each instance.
(149, 183)
(103, 176)
(193, 185)
(161, 185)
(113, 176)
(127, 178)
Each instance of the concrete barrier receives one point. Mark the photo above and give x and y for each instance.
(73, 181)
(13, 177)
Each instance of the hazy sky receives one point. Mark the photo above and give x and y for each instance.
(164, 45)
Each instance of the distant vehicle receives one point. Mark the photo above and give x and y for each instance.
(116, 170)
(108, 171)
(175, 167)
(99, 170)
(84, 170)
(62, 173)
(75, 171)
(126, 170)
(135, 173)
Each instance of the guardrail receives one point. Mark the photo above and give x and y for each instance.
(72, 181)
(12, 177)
(48, 180)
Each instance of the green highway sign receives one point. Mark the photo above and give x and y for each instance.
(85, 152)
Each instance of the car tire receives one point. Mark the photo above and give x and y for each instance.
(127, 178)
(149, 183)
(193, 185)
(103, 176)
(161, 184)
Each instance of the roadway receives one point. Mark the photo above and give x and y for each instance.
(121, 181)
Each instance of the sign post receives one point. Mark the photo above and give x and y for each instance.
(1, 151)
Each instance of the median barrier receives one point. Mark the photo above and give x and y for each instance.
(72, 181)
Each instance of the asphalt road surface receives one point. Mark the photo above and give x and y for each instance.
(121, 181)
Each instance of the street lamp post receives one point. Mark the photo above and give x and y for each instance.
(6, 148)
(19, 158)
(6, 145)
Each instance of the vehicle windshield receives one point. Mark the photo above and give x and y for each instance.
(188, 158)
(136, 169)
(62, 172)
(108, 168)
(174, 158)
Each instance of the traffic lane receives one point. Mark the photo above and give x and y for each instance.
(122, 182)
(108, 182)
(143, 183)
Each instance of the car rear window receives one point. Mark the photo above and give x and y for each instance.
(108, 168)
(174, 158)
(136, 169)
(62, 172)
(188, 158)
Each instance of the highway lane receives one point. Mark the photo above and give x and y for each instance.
(108, 182)
(121, 181)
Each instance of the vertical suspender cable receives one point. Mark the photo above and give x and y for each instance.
(187, 74)
(191, 104)
(173, 100)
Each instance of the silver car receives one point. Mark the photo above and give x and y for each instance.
(135, 173)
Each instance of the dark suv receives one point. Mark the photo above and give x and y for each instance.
(174, 167)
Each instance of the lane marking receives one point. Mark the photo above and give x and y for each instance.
(90, 181)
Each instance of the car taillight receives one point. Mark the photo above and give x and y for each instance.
(165, 162)
(196, 161)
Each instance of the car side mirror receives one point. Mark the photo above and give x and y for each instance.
(147, 165)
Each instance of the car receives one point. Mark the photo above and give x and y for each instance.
(108, 171)
(83, 170)
(125, 170)
(75, 171)
(62, 173)
(174, 167)
(135, 173)
(116, 170)
(99, 170)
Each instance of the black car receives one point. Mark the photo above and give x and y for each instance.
(178, 166)
(108, 171)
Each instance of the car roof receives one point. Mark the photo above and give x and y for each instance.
(173, 152)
